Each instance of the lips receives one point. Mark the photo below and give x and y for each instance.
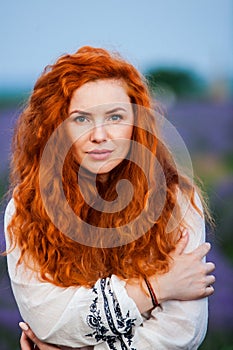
(102, 154)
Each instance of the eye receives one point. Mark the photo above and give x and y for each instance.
(80, 119)
(115, 117)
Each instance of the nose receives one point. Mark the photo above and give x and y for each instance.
(98, 133)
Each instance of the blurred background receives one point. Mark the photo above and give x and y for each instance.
(185, 49)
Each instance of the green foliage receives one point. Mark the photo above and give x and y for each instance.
(13, 97)
(183, 83)
(8, 339)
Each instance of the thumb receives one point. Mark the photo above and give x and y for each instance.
(182, 243)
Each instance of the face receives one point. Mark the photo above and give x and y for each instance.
(100, 124)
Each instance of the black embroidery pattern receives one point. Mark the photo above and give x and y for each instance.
(122, 333)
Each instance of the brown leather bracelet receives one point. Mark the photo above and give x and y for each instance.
(152, 293)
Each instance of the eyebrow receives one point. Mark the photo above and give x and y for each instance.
(116, 110)
(80, 112)
(89, 114)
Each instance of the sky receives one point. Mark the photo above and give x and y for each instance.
(193, 34)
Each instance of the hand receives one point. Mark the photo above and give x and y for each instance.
(28, 340)
(188, 277)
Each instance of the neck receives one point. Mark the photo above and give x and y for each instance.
(103, 178)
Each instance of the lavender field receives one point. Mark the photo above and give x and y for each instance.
(207, 129)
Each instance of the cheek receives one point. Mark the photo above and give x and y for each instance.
(123, 139)
(129, 132)
(78, 134)
(122, 132)
(123, 147)
(128, 138)
(78, 137)
(78, 147)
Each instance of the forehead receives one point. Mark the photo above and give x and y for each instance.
(100, 92)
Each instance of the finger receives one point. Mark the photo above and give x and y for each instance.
(181, 245)
(25, 343)
(202, 250)
(209, 291)
(210, 267)
(210, 279)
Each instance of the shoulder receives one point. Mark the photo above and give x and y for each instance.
(190, 205)
(192, 216)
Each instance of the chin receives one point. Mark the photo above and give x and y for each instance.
(104, 169)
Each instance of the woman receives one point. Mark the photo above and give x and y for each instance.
(95, 261)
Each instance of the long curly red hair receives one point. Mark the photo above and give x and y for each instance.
(59, 258)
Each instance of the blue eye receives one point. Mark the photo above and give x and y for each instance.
(80, 119)
(116, 117)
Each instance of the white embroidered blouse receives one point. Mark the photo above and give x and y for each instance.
(105, 317)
